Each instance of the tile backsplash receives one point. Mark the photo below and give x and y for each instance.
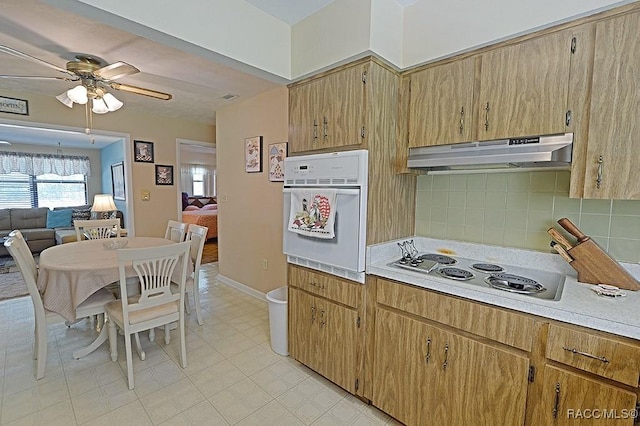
(516, 209)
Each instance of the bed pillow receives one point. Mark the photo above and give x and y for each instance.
(188, 208)
(210, 207)
(59, 218)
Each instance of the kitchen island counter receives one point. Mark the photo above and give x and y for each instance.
(578, 304)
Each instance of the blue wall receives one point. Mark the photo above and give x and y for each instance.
(109, 155)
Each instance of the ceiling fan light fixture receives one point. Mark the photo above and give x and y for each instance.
(64, 98)
(113, 104)
(78, 94)
(99, 106)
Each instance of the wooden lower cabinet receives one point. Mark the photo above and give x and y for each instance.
(323, 336)
(574, 399)
(425, 375)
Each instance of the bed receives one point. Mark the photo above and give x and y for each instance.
(203, 217)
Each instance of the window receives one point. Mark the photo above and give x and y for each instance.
(46, 190)
(198, 184)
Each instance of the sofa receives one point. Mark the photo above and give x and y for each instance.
(39, 226)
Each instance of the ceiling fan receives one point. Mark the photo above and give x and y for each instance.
(95, 76)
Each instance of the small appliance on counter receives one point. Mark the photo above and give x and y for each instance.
(593, 264)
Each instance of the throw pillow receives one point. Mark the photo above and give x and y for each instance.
(210, 207)
(197, 203)
(191, 207)
(80, 215)
(59, 218)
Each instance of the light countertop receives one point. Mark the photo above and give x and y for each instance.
(578, 305)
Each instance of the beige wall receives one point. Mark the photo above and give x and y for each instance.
(249, 205)
(150, 216)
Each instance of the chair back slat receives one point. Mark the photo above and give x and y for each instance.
(197, 235)
(97, 229)
(176, 231)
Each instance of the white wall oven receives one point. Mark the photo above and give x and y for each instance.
(325, 212)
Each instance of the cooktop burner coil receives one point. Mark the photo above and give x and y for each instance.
(487, 267)
(514, 283)
(455, 274)
(440, 258)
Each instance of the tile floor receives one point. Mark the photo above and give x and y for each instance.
(232, 378)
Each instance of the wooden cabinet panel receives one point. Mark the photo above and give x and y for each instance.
(497, 324)
(343, 291)
(304, 335)
(614, 127)
(570, 399)
(339, 335)
(524, 88)
(599, 355)
(440, 108)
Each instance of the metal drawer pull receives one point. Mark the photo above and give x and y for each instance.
(313, 314)
(599, 177)
(461, 119)
(446, 356)
(486, 117)
(588, 355)
(322, 319)
(556, 405)
(428, 356)
(315, 129)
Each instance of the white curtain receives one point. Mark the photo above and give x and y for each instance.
(187, 171)
(40, 164)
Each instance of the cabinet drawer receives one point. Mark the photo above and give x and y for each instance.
(503, 326)
(339, 290)
(607, 357)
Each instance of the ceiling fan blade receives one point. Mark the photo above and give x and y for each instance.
(39, 77)
(115, 70)
(140, 91)
(23, 55)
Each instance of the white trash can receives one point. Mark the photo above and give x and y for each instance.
(278, 320)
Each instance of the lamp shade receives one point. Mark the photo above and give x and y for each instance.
(64, 98)
(112, 102)
(99, 107)
(78, 94)
(103, 203)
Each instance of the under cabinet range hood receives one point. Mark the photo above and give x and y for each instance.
(525, 152)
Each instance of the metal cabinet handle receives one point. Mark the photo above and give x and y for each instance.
(461, 119)
(486, 117)
(588, 355)
(324, 126)
(446, 356)
(556, 406)
(313, 314)
(599, 178)
(428, 356)
(323, 321)
(316, 285)
(315, 129)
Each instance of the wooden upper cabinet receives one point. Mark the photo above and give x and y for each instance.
(613, 148)
(440, 106)
(329, 111)
(524, 87)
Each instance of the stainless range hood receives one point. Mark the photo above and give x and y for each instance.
(527, 152)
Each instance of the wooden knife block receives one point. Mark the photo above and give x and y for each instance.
(595, 266)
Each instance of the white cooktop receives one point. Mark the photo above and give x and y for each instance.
(578, 304)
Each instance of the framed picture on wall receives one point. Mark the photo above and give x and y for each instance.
(164, 175)
(253, 154)
(277, 154)
(117, 181)
(143, 151)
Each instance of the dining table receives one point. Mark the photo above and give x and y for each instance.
(70, 273)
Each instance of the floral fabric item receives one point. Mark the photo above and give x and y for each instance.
(313, 212)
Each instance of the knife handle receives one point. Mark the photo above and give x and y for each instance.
(561, 251)
(556, 235)
(572, 229)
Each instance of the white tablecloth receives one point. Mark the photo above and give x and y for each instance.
(70, 273)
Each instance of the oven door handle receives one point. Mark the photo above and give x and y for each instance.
(339, 191)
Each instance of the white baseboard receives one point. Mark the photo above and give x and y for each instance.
(242, 287)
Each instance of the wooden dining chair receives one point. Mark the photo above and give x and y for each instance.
(176, 231)
(156, 305)
(97, 229)
(197, 236)
(94, 305)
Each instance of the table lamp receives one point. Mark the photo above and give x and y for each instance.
(103, 206)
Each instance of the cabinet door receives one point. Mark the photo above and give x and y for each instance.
(440, 109)
(614, 144)
(343, 114)
(570, 399)
(338, 327)
(304, 126)
(524, 88)
(304, 336)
